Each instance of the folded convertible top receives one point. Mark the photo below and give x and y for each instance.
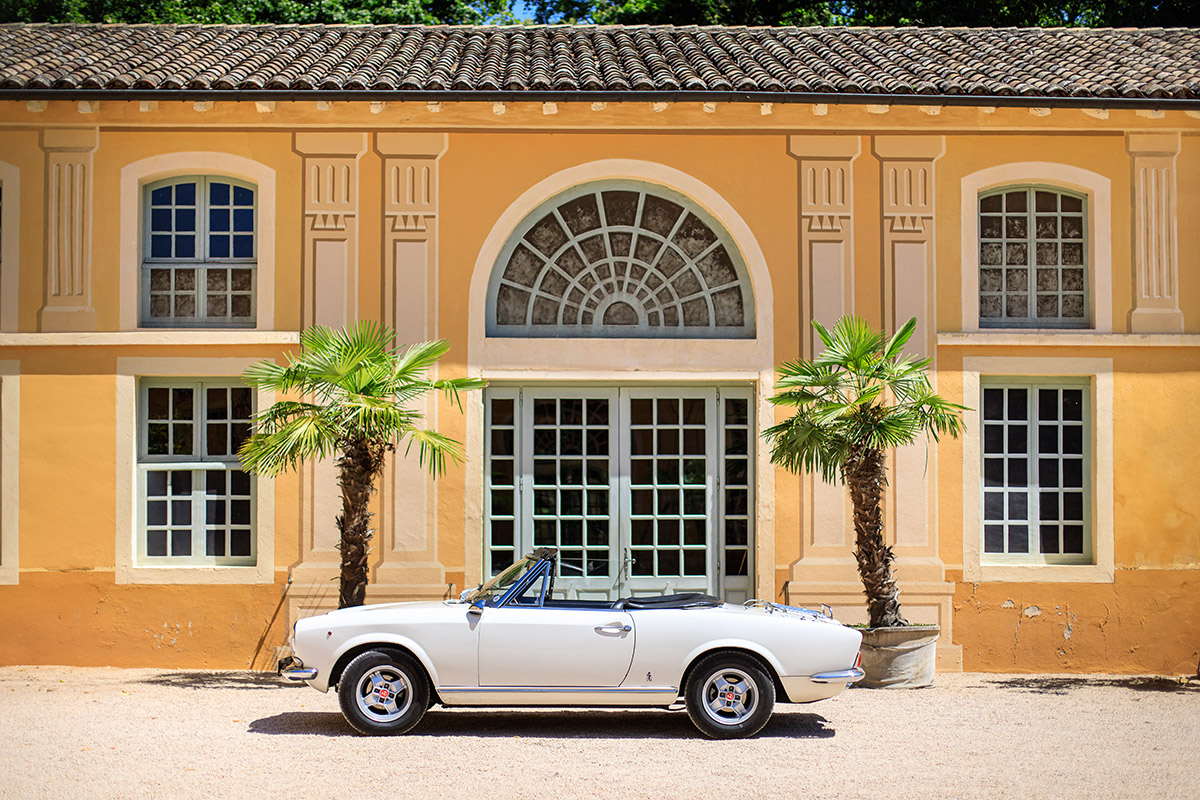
(685, 600)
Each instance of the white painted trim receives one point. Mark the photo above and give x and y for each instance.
(138, 174)
(1059, 338)
(1098, 190)
(1103, 545)
(10, 247)
(151, 336)
(625, 360)
(127, 569)
(10, 471)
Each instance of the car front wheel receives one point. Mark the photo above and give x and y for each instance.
(383, 692)
(729, 696)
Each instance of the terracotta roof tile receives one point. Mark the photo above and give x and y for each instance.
(1023, 63)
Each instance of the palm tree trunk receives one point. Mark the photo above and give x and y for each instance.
(360, 463)
(866, 476)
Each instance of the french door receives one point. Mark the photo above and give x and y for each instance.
(643, 490)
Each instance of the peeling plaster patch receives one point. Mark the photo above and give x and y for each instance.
(764, 109)
(599, 106)
(264, 106)
(1032, 611)
(1039, 112)
(146, 106)
(324, 105)
(36, 106)
(820, 109)
(549, 108)
(1008, 604)
(89, 106)
(1067, 631)
(203, 105)
(710, 108)
(378, 106)
(987, 109)
(658, 107)
(1151, 113)
(433, 108)
(499, 108)
(1098, 113)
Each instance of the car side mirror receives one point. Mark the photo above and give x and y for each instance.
(476, 608)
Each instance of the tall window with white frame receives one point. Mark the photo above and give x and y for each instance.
(1033, 258)
(199, 253)
(1036, 482)
(196, 504)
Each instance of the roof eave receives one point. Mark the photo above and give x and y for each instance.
(373, 95)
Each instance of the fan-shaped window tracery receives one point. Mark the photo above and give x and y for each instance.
(620, 260)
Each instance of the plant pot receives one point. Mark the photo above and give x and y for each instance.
(899, 658)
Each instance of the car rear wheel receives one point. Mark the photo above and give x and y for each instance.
(383, 692)
(729, 696)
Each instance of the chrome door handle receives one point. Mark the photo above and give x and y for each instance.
(613, 627)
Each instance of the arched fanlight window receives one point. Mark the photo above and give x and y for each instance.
(620, 259)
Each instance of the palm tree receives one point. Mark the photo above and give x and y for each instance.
(354, 389)
(853, 402)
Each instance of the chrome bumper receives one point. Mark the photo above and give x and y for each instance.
(840, 676)
(293, 669)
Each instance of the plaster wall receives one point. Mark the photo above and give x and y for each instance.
(68, 398)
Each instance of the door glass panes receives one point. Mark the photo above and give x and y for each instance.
(736, 486)
(643, 491)
(571, 482)
(1034, 471)
(668, 486)
(1032, 253)
(502, 482)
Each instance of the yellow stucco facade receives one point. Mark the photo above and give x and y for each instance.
(399, 212)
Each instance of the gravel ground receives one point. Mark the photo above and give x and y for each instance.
(100, 733)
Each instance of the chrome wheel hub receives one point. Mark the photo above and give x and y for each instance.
(730, 696)
(383, 694)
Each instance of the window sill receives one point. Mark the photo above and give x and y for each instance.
(151, 336)
(213, 576)
(1039, 573)
(1057, 337)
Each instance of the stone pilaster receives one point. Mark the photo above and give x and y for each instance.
(68, 248)
(330, 275)
(825, 572)
(907, 233)
(1155, 233)
(408, 522)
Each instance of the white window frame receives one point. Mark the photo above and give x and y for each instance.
(135, 176)
(10, 477)
(1031, 265)
(1098, 225)
(1099, 374)
(130, 569)
(198, 465)
(1031, 456)
(201, 261)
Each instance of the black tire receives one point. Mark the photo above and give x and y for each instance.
(383, 692)
(729, 696)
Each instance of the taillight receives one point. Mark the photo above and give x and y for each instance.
(858, 659)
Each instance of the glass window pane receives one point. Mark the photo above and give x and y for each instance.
(161, 196)
(218, 246)
(243, 246)
(185, 194)
(218, 193)
(218, 219)
(243, 196)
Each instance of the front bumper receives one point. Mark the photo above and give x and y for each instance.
(293, 669)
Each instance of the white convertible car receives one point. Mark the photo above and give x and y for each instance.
(511, 643)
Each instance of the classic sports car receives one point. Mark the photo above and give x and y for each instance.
(510, 642)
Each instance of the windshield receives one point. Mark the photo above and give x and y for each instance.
(501, 583)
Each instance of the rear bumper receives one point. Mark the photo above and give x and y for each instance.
(823, 685)
(846, 676)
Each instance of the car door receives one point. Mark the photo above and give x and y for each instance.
(530, 646)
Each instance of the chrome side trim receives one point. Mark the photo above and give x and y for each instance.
(851, 675)
(556, 689)
(299, 673)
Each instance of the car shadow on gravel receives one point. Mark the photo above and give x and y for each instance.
(222, 680)
(544, 725)
(1064, 685)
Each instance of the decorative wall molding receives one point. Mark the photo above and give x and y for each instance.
(410, 278)
(67, 304)
(10, 247)
(1155, 233)
(826, 177)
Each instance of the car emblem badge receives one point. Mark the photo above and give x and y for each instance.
(730, 696)
(383, 693)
